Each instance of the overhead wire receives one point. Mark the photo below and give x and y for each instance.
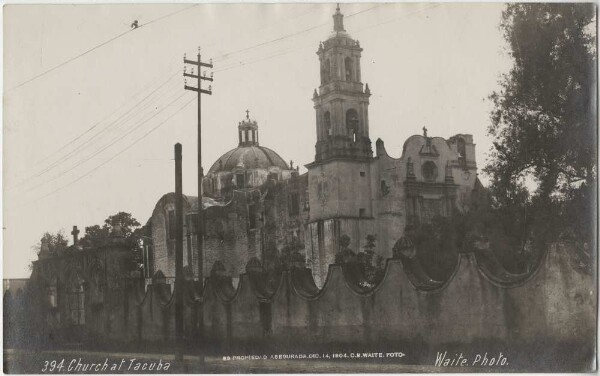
(227, 68)
(120, 120)
(95, 125)
(73, 140)
(111, 143)
(223, 56)
(119, 153)
(96, 47)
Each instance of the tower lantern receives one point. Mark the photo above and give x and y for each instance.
(338, 20)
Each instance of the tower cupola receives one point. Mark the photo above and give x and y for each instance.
(338, 20)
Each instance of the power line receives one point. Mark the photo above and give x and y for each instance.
(227, 54)
(241, 64)
(111, 124)
(97, 123)
(224, 69)
(123, 118)
(95, 48)
(227, 68)
(119, 153)
(66, 157)
(112, 142)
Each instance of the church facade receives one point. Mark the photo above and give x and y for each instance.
(257, 206)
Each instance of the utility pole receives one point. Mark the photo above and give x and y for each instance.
(178, 257)
(200, 224)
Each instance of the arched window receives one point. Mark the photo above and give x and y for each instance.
(352, 123)
(462, 158)
(348, 68)
(327, 123)
(325, 71)
(429, 171)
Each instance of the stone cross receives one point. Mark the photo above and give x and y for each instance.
(248, 114)
(75, 234)
(424, 132)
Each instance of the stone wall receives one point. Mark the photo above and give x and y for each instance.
(554, 304)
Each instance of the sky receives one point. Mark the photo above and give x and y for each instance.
(92, 108)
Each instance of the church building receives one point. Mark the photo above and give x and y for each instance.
(257, 206)
(252, 208)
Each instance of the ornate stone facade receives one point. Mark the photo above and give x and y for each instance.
(352, 192)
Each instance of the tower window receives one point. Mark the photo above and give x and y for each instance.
(362, 173)
(352, 123)
(361, 212)
(251, 216)
(461, 152)
(325, 71)
(327, 122)
(171, 225)
(348, 68)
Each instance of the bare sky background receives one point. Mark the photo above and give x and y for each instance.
(95, 136)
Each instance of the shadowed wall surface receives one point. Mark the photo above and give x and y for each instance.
(555, 304)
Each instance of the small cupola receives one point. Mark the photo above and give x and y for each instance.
(338, 20)
(248, 131)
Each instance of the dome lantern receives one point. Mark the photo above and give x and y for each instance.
(248, 131)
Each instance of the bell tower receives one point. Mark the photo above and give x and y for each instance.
(339, 179)
(341, 103)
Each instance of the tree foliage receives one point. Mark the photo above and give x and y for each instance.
(370, 262)
(544, 117)
(128, 227)
(123, 225)
(367, 265)
(56, 242)
(544, 125)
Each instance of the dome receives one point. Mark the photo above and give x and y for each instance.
(247, 158)
(249, 154)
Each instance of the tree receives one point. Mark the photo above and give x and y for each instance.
(371, 263)
(126, 221)
(437, 244)
(544, 122)
(544, 115)
(56, 242)
(345, 254)
(130, 229)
